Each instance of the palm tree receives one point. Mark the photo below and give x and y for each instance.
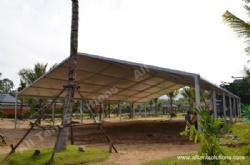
(240, 27)
(28, 76)
(205, 95)
(63, 133)
(189, 95)
(172, 96)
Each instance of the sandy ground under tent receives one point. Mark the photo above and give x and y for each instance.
(137, 141)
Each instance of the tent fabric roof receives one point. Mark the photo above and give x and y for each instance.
(101, 78)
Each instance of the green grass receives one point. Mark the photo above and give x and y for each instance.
(239, 155)
(70, 156)
(242, 130)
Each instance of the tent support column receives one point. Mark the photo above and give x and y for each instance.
(81, 103)
(102, 109)
(197, 94)
(119, 108)
(15, 111)
(53, 113)
(214, 104)
(234, 110)
(239, 108)
(133, 108)
(108, 109)
(230, 108)
(224, 107)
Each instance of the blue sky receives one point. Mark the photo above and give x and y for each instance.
(183, 35)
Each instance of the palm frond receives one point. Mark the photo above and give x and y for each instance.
(239, 26)
(247, 8)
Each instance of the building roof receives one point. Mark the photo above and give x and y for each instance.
(6, 98)
(168, 105)
(237, 81)
(101, 78)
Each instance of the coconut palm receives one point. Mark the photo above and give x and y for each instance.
(205, 95)
(240, 27)
(189, 95)
(62, 138)
(172, 96)
(28, 76)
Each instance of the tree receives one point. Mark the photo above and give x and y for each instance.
(6, 86)
(240, 27)
(205, 95)
(189, 95)
(209, 141)
(63, 133)
(172, 96)
(28, 76)
(241, 88)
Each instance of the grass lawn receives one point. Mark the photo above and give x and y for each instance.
(70, 156)
(237, 150)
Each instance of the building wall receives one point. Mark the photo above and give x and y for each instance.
(10, 111)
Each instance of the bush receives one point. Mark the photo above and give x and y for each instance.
(209, 143)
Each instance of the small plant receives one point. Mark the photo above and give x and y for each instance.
(246, 111)
(209, 142)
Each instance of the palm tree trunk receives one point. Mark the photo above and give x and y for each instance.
(63, 134)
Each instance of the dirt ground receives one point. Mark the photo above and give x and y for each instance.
(137, 141)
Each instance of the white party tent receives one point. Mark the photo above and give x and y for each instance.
(107, 79)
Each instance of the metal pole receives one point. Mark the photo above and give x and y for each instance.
(214, 104)
(102, 108)
(119, 108)
(133, 108)
(15, 111)
(53, 113)
(239, 106)
(81, 111)
(197, 95)
(224, 107)
(234, 109)
(230, 107)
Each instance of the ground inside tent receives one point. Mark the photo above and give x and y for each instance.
(137, 141)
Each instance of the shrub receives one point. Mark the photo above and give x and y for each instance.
(209, 143)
